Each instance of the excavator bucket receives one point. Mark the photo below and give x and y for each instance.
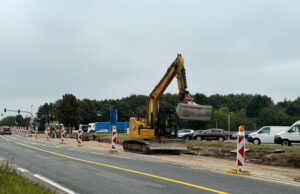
(194, 112)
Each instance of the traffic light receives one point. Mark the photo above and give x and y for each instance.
(18, 111)
(4, 109)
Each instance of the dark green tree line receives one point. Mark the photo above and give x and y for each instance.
(253, 111)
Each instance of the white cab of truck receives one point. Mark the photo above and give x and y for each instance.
(265, 134)
(91, 127)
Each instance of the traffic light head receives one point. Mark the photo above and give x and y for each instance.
(18, 111)
(4, 109)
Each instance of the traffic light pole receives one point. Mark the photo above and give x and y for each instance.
(19, 111)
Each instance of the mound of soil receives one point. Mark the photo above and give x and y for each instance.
(252, 156)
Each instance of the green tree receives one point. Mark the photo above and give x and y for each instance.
(67, 110)
(8, 121)
(201, 99)
(20, 121)
(273, 116)
(46, 114)
(256, 104)
(88, 111)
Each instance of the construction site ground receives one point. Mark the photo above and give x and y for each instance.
(198, 158)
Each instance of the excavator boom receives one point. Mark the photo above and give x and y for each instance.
(187, 109)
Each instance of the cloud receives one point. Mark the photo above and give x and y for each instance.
(102, 50)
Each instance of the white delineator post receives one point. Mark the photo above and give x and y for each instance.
(80, 135)
(240, 154)
(62, 134)
(114, 138)
(47, 131)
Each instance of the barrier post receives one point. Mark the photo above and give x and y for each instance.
(240, 153)
(240, 156)
(114, 139)
(47, 131)
(79, 135)
(62, 135)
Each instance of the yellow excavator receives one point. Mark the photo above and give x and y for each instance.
(158, 131)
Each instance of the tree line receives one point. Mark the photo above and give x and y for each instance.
(253, 111)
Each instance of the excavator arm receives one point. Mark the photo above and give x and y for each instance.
(187, 109)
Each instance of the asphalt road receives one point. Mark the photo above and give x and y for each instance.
(85, 171)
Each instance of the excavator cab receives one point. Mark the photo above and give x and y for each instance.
(166, 123)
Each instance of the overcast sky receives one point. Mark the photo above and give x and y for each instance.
(112, 49)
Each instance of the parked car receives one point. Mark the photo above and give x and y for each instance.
(211, 134)
(197, 133)
(265, 134)
(5, 131)
(185, 133)
(289, 136)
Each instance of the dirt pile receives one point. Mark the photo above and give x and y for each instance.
(253, 156)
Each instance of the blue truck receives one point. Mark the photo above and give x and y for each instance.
(107, 127)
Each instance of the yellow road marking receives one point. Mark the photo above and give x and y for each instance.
(126, 170)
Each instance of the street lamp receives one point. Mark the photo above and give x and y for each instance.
(229, 125)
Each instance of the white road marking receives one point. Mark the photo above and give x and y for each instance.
(54, 184)
(22, 170)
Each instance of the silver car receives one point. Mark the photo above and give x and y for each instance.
(185, 133)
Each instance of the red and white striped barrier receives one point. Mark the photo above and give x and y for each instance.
(240, 153)
(47, 131)
(79, 136)
(62, 135)
(240, 156)
(114, 139)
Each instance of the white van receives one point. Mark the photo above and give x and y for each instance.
(289, 136)
(265, 134)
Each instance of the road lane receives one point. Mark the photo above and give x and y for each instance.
(128, 182)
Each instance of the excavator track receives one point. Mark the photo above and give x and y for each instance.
(136, 146)
(154, 146)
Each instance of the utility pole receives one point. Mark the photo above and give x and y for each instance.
(229, 125)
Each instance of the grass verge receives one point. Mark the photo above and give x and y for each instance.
(12, 182)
